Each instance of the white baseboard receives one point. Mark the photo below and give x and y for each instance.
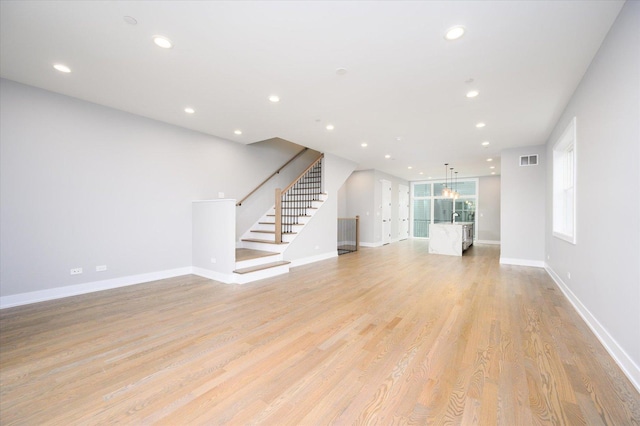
(312, 259)
(487, 242)
(522, 262)
(378, 244)
(90, 287)
(624, 361)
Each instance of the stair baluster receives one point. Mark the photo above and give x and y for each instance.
(293, 202)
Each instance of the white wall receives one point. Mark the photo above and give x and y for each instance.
(488, 214)
(360, 201)
(364, 198)
(83, 185)
(522, 205)
(603, 264)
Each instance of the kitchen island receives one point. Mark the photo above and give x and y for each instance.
(451, 238)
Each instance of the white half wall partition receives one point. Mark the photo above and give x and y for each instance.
(213, 239)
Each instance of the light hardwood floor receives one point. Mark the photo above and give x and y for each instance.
(390, 335)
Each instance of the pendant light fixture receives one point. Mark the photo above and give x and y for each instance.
(446, 191)
(451, 190)
(455, 192)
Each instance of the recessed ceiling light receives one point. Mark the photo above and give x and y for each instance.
(364, 144)
(330, 127)
(410, 167)
(130, 20)
(62, 68)
(387, 156)
(237, 132)
(429, 177)
(472, 93)
(189, 110)
(489, 159)
(454, 33)
(341, 71)
(274, 98)
(485, 143)
(398, 138)
(421, 173)
(480, 125)
(492, 167)
(163, 42)
(493, 173)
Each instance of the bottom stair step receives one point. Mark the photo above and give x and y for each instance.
(261, 267)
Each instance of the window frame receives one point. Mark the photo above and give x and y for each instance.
(564, 180)
(475, 198)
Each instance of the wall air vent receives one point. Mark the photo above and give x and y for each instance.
(529, 160)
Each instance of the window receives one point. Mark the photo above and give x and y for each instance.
(564, 185)
(429, 206)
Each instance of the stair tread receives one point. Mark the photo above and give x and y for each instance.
(261, 267)
(290, 215)
(308, 207)
(257, 240)
(271, 232)
(249, 254)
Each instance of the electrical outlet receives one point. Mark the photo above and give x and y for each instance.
(213, 260)
(569, 275)
(101, 268)
(76, 271)
(220, 194)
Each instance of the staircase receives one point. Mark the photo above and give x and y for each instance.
(260, 251)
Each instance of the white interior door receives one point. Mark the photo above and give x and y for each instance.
(386, 211)
(403, 212)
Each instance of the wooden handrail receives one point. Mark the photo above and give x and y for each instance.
(303, 173)
(239, 203)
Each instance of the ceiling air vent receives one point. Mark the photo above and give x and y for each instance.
(529, 160)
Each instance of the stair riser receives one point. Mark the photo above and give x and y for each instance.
(276, 248)
(260, 275)
(258, 261)
(272, 227)
(312, 204)
(302, 197)
(262, 236)
(263, 227)
(308, 212)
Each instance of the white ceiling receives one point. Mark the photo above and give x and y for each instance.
(403, 80)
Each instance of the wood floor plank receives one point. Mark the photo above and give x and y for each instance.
(389, 335)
